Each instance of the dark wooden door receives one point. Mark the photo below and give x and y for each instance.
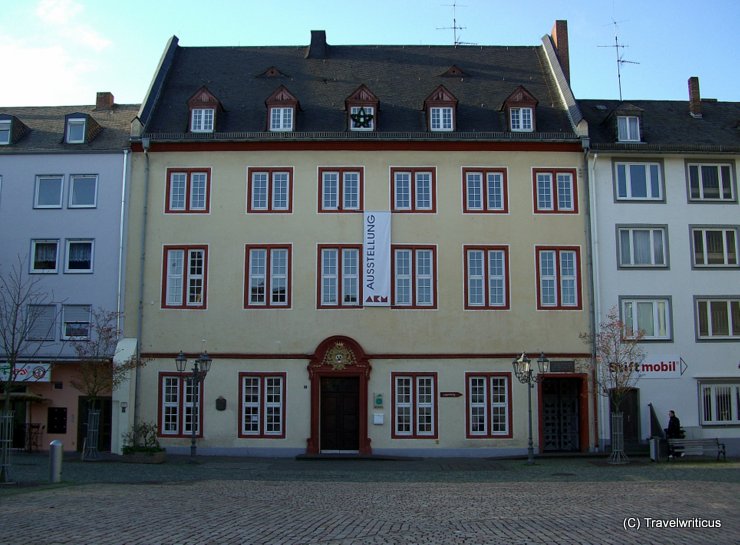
(104, 405)
(560, 415)
(630, 407)
(340, 413)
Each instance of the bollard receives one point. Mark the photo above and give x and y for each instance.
(56, 449)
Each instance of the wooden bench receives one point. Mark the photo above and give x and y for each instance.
(696, 447)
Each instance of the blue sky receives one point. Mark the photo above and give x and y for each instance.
(61, 52)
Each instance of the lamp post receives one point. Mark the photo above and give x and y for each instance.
(524, 371)
(200, 369)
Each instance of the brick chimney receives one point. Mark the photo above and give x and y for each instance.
(318, 48)
(559, 36)
(104, 101)
(694, 98)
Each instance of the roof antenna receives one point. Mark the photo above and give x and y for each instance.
(454, 27)
(620, 61)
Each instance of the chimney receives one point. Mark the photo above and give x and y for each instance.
(694, 98)
(559, 35)
(318, 48)
(104, 101)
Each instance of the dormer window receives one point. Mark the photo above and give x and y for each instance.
(362, 107)
(204, 108)
(281, 110)
(520, 108)
(76, 130)
(5, 133)
(440, 107)
(12, 129)
(628, 128)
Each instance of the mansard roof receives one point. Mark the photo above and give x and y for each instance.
(666, 125)
(401, 77)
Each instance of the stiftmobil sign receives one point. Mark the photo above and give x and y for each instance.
(376, 249)
(662, 367)
(26, 372)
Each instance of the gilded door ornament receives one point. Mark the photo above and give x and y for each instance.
(339, 356)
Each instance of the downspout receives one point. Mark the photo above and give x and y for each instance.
(142, 263)
(595, 287)
(121, 245)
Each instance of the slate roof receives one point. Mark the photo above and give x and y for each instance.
(46, 124)
(667, 126)
(400, 76)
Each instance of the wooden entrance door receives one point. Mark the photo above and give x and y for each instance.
(340, 414)
(560, 414)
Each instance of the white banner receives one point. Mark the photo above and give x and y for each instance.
(376, 249)
(26, 372)
(671, 366)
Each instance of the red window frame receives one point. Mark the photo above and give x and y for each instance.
(262, 434)
(414, 248)
(555, 195)
(413, 209)
(188, 172)
(270, 209)
(489, 407)
(486, 288)
(340, 276)
(340, 190)
(268, 276)
(484, 172)
(186, 274)
(183, 379)
(414, 404)
(558, 276)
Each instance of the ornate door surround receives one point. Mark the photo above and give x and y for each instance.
(338, 356)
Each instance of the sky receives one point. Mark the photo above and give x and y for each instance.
(61, 52)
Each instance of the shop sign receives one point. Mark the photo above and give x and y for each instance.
(377, 259)
(26, 372)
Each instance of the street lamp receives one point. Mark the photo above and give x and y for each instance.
(525, 373)
(201, 366)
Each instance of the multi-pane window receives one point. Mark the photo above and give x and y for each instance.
(262, 405)
(185, 277)
(486, 277)
(441, 118)
(40, 322)
(643, 246)
(201, 120)
(558, 278)
(340, 189)
(340, 278)
(628, 128)
(48, 192)
(44, 256)
(521, 119)
(362, 118)
(710, 182)
(269, 190)
(720, 403)
(414, 277)
(76, 321)
(714, 247)
(83, 191)
(76, 131)
(179, 400)
(188, 190)
(649, 317)
(79, 257)
(638, 181)
(281, 118)
(268, 277)
(718, 318)
(413, 190)
(484, 190)
(488, 405)
(555, 191)
(414, 405)
(5, 127)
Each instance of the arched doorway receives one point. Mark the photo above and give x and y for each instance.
(339, 371)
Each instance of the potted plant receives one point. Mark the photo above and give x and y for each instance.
(142, 445)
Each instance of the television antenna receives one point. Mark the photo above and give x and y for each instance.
(620, 61)
(454, 28)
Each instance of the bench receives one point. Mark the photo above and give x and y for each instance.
(697, 447)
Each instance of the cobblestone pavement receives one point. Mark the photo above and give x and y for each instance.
(341, 502)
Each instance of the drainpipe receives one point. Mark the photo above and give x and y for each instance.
(596, 301)
(139, 323)
(121, 245)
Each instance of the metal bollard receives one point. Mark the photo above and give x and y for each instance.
(56, 449)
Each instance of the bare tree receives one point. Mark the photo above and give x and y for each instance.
(24, 324)
(617, 369)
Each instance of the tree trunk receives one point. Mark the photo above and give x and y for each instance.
(618, 456)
